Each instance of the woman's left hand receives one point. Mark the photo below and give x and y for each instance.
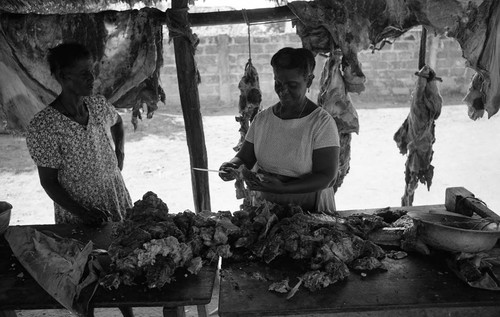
(120, 156)
(268, 183)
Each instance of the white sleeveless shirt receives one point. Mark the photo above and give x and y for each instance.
(285, 147)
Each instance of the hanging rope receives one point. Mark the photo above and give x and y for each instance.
(250, 94)
(245, 17)
(178, 26)
(423, 48)
(421, 56)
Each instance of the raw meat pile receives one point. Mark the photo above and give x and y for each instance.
(327, 247)
(151, 244)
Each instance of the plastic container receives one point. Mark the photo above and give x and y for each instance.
(5, 209)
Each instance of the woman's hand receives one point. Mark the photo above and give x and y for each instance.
(225, 171)
(93, 216)
(268, 183)
(118, 135)
(120, 157)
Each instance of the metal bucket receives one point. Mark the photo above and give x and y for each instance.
(5, 209)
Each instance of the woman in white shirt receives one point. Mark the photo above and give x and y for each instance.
(294, 143)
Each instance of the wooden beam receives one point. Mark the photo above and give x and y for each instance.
(276, 14)
(190, 101)
(255, 16)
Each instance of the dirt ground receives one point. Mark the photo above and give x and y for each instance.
(466, 153)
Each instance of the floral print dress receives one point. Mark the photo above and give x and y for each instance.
(84, 157)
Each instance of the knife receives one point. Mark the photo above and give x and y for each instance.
(208, 170)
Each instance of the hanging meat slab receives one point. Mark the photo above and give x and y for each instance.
(127, 48)
(333, 97)
(484, 90)
(355, 25)
(249, 102)
(416, 135)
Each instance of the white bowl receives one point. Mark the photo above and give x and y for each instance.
(5, 209)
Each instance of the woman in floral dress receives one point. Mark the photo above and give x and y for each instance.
(79, 167)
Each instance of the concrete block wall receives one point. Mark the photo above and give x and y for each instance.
(221, 61)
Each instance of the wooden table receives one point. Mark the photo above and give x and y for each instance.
(18, 291)
(414, 286)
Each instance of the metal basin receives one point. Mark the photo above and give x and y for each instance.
(448, 232)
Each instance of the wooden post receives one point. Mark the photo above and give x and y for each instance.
(190, 101)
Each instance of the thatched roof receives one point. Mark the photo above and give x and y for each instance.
(70, 6)
(86, 6)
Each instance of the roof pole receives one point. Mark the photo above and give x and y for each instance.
(188, 78)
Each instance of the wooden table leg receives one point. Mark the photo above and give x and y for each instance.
(173, 311)
(8, 313)
(202, 310)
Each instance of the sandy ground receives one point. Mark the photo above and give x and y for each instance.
(466, 153)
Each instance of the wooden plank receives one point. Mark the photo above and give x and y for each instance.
(417, 283)
(488, 311)
(188, 89)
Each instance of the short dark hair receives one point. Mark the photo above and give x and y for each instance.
(291, 58)
(66, 54)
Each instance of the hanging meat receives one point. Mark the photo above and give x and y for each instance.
(484, 90)
(354, 25)
(127, 47)
(250, 99)
(416, 136)
(333, 95)
(333, 98)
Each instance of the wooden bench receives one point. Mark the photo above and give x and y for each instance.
(19, 291)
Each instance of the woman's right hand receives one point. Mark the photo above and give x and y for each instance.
(94, 216)
(225, 171)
